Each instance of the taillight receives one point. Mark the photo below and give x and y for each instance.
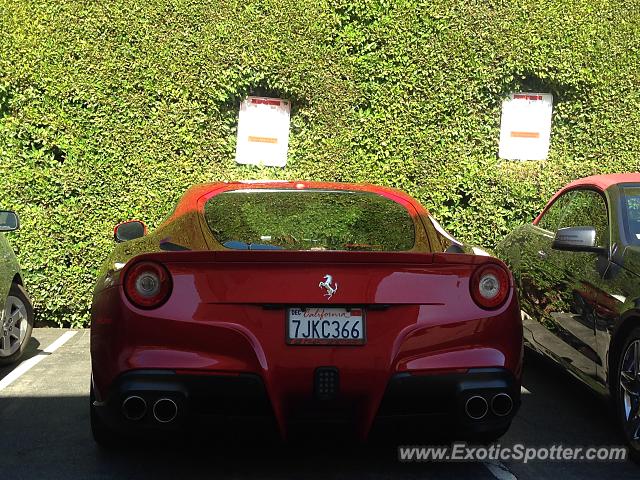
(490, 286)
(147, 284)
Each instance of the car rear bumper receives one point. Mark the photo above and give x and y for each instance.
(414, 403)
(419, 355)
(411, 403)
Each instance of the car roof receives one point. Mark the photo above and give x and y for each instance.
(189, 200)
(600, 182)
(605, 181)
(198, 191)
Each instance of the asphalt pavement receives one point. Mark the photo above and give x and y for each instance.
(44, 433)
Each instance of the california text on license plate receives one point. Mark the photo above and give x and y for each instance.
(325, 326)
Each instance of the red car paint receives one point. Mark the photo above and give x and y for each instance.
(597, 182)
(215, 321)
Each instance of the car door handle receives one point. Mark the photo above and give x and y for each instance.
(542, 254)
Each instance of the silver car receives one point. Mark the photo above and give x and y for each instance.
(15, 306)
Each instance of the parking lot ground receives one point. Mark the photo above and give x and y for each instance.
(44, 422)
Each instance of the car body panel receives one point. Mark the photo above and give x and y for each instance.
(9, 268)
(227, 312)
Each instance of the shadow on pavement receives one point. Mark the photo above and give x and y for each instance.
(50, 437)
(558, 409)
(32, 349)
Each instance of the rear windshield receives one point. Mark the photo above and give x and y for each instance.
(309, 220)
(631, 202)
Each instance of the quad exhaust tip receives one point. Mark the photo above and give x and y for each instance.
(165, 410)
(134, 408)
(476, 407)
(501, 404)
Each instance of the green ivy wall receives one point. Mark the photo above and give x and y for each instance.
(110, 110)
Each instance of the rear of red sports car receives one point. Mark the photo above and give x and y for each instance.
(308, 304)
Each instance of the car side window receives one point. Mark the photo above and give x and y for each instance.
(553, 216)
(588, 208)
(632, 213)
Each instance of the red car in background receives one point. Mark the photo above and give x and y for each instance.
(307, 303)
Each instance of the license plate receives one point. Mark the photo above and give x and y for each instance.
(325, 326)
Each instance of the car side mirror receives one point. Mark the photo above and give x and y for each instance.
(577, 239)
(9, 221)
(130, 230)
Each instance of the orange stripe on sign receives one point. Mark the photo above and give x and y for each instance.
(263, 139)
(525, 134)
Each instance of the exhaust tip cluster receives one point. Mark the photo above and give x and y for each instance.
(164, 410)
(477, 407)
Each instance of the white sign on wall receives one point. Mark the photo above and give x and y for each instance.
(263, 131)
(525, 127)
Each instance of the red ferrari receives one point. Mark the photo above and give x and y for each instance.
(310, 304)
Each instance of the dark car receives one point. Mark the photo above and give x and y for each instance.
(288, 302)
(577, 267)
